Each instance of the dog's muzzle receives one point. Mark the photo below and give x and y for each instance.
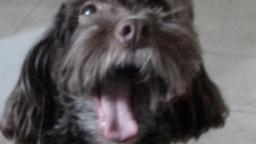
(113, 103)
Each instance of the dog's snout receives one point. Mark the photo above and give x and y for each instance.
(134, 31)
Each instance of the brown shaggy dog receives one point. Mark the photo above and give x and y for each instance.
(115, 72)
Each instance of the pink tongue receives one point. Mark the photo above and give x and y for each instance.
(115, 114)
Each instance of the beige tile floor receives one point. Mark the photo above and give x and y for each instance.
(227, 30)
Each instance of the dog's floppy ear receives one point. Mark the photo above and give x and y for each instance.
(201, 108)
(205, 106)
(210, 110)
(30, 105)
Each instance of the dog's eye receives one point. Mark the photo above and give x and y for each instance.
(89, 10)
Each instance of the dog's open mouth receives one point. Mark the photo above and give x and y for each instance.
(113, 105)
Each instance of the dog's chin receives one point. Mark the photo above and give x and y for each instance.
(105, 141)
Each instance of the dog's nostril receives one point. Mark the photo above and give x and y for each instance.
(126, 30)
(146, 31)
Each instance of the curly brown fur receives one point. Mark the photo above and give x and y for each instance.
(83, 57)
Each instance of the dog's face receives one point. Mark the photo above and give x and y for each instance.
(144, 38)
(115, 71)
(124, 58)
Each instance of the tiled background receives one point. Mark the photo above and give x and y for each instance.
(227, 30)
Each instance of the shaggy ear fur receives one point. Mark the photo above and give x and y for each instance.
(29, 108)
(185, 7)
(200, 109)
(210, 108)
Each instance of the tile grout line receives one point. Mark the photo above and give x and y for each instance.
(243, 111)
(207, 52)
(26, 17)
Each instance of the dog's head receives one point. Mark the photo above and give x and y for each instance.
(117, 47)
(110, 69)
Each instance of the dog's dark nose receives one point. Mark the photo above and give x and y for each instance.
(134, 31)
